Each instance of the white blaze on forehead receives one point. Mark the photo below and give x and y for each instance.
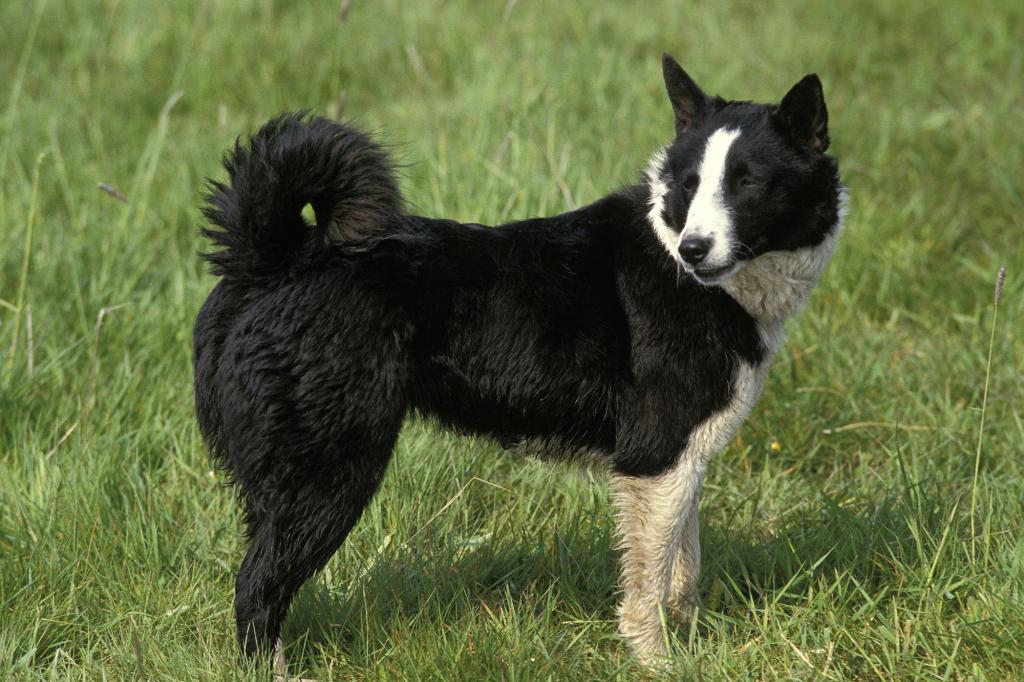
(708, 216)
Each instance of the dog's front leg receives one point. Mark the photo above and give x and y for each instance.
(655, 515)
(684, 596)
(632, 497)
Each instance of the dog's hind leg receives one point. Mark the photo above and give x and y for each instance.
(293, 532)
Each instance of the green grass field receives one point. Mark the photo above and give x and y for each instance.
(864, 545)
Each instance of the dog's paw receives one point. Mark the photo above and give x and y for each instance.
(644, 632)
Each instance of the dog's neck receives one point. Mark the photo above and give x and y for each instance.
(775, 286)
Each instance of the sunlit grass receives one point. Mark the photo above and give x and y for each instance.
(863, 545)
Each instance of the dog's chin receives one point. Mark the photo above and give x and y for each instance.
(714, 276)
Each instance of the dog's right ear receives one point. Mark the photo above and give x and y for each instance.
(688, 101)
(804, 115)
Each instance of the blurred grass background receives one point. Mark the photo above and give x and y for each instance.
(837, 529)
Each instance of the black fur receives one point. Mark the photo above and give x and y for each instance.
(575, 331)
(290, 163)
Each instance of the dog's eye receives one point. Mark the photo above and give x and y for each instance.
(746, 181)
(690, 183)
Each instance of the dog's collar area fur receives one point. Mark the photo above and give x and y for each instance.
(775, 286)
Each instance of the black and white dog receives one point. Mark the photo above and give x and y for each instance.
(638, 329)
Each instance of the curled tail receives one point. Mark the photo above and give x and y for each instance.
(290, 162)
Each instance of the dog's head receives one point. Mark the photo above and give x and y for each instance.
(741, 179)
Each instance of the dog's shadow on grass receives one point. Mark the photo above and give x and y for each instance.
(746, 565)
(751, 564)
(440, 582)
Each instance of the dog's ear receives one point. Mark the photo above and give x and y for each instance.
(803, 114)
(688, 101)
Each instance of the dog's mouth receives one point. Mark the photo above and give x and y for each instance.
(713, 276)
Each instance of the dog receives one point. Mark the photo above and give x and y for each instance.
(636, 330)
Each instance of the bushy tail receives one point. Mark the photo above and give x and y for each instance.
(290, 162)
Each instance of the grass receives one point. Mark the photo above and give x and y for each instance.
(880, 537)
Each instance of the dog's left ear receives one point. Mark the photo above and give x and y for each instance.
(803, 113)
(688, 101)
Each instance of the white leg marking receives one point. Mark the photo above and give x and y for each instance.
(658, 522)
(279, 662)
(649, 536)
(280, 665)
(686, 569)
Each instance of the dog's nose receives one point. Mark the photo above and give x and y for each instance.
(694, 249)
